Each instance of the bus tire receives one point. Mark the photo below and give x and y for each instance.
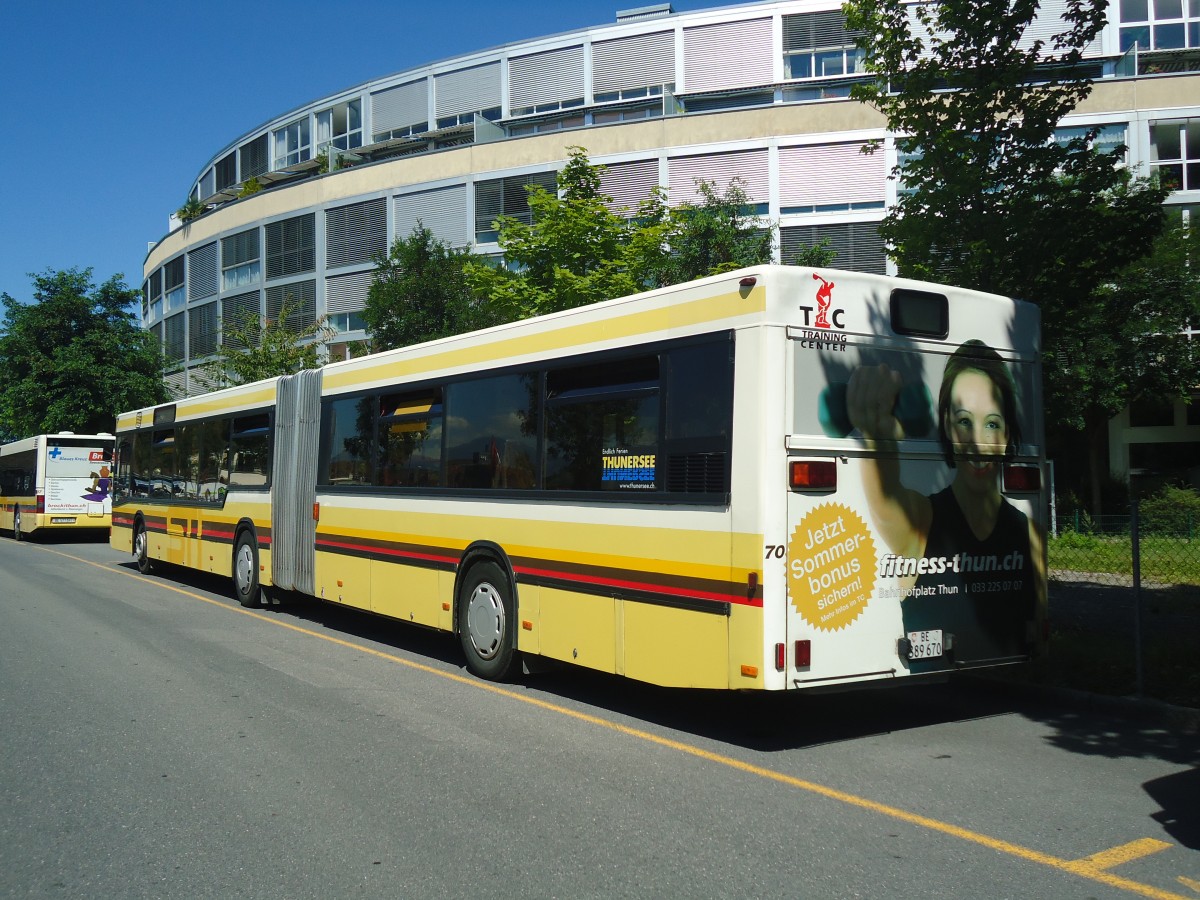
(246, 588)
(17, 536)
(487, 615)
(141, 548)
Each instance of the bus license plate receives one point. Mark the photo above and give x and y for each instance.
(924, 644)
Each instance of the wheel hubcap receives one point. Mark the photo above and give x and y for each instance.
(244, 567)
(485, 620)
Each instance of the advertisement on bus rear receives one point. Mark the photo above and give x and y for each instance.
(77, 481)
(933, 516)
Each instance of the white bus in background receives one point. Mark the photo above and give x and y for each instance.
(778, 478)
(55, 482)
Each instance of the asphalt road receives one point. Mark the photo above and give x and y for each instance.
(156, 740)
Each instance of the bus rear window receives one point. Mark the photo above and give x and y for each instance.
(920, 313)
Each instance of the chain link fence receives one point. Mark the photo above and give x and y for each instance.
(1124, 597)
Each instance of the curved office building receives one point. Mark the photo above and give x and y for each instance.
(757, 90)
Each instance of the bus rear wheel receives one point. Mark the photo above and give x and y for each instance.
(245, 571)
(17, 524)
(486, 619)
(141, 549)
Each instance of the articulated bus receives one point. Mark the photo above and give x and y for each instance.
(55, 482)
(777, 478)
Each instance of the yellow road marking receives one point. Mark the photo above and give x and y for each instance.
(1107, 859)
(1084, 868)
(1190, 882)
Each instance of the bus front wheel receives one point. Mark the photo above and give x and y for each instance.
(487, 614)
(245, 570)
(141, 549)
(17, 524)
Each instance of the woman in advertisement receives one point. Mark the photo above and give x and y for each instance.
(966, 560)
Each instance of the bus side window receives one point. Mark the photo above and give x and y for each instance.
(602, 426)
(250, 451)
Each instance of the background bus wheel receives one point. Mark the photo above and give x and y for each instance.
(245, 570)
(141, 549)
(17, 524)
(487, 613)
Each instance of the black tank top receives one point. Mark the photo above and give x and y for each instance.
(981, 591)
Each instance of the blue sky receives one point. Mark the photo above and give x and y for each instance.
(111, 108)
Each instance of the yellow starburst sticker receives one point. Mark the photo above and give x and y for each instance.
(831, 566)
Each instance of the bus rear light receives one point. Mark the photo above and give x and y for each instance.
(812, 474)
(780, 657)
(41, 504)
(1022, 478)
(803, 654)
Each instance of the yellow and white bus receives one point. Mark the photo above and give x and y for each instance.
(55, 482)
(776, 478)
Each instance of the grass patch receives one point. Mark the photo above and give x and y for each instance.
(1164, 560)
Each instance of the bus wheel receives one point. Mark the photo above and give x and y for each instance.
(17, 523)
(141, 549)
(486, 615)
(245, 570)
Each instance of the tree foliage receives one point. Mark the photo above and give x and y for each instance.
(576, 251)
(1130, 343)
(714, 236)
(580, 249)
(992, 196)
(989, 197)
(253, 348)
(75, 357)
(421, 292)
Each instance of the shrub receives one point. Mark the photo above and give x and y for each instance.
(1173, 510)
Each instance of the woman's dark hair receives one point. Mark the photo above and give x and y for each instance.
(976, 356)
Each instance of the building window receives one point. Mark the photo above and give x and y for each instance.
(239, 260)
(340, 126)
(291, 246)
(492, 114)
(507, 197)
(156, 293)
(817, 45)
(292, 144)
(356, 233)
(202, 331)
(173, 284)
(546, 125)
(226, 171)
(240, 318)
(1160, 24)
(346, 322)
(175, 339)
(295, 302)
(857, 245)
(253, 157)
(1175, 153)
(1108, 139)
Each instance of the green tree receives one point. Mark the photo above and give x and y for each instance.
(421, 292)
(576, 251)
(1129, 345)
(253, 348)
(717, 235)
(580, 249)
(992, 197)
(75, 357)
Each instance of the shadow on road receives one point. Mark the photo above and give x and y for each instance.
(760, 721)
